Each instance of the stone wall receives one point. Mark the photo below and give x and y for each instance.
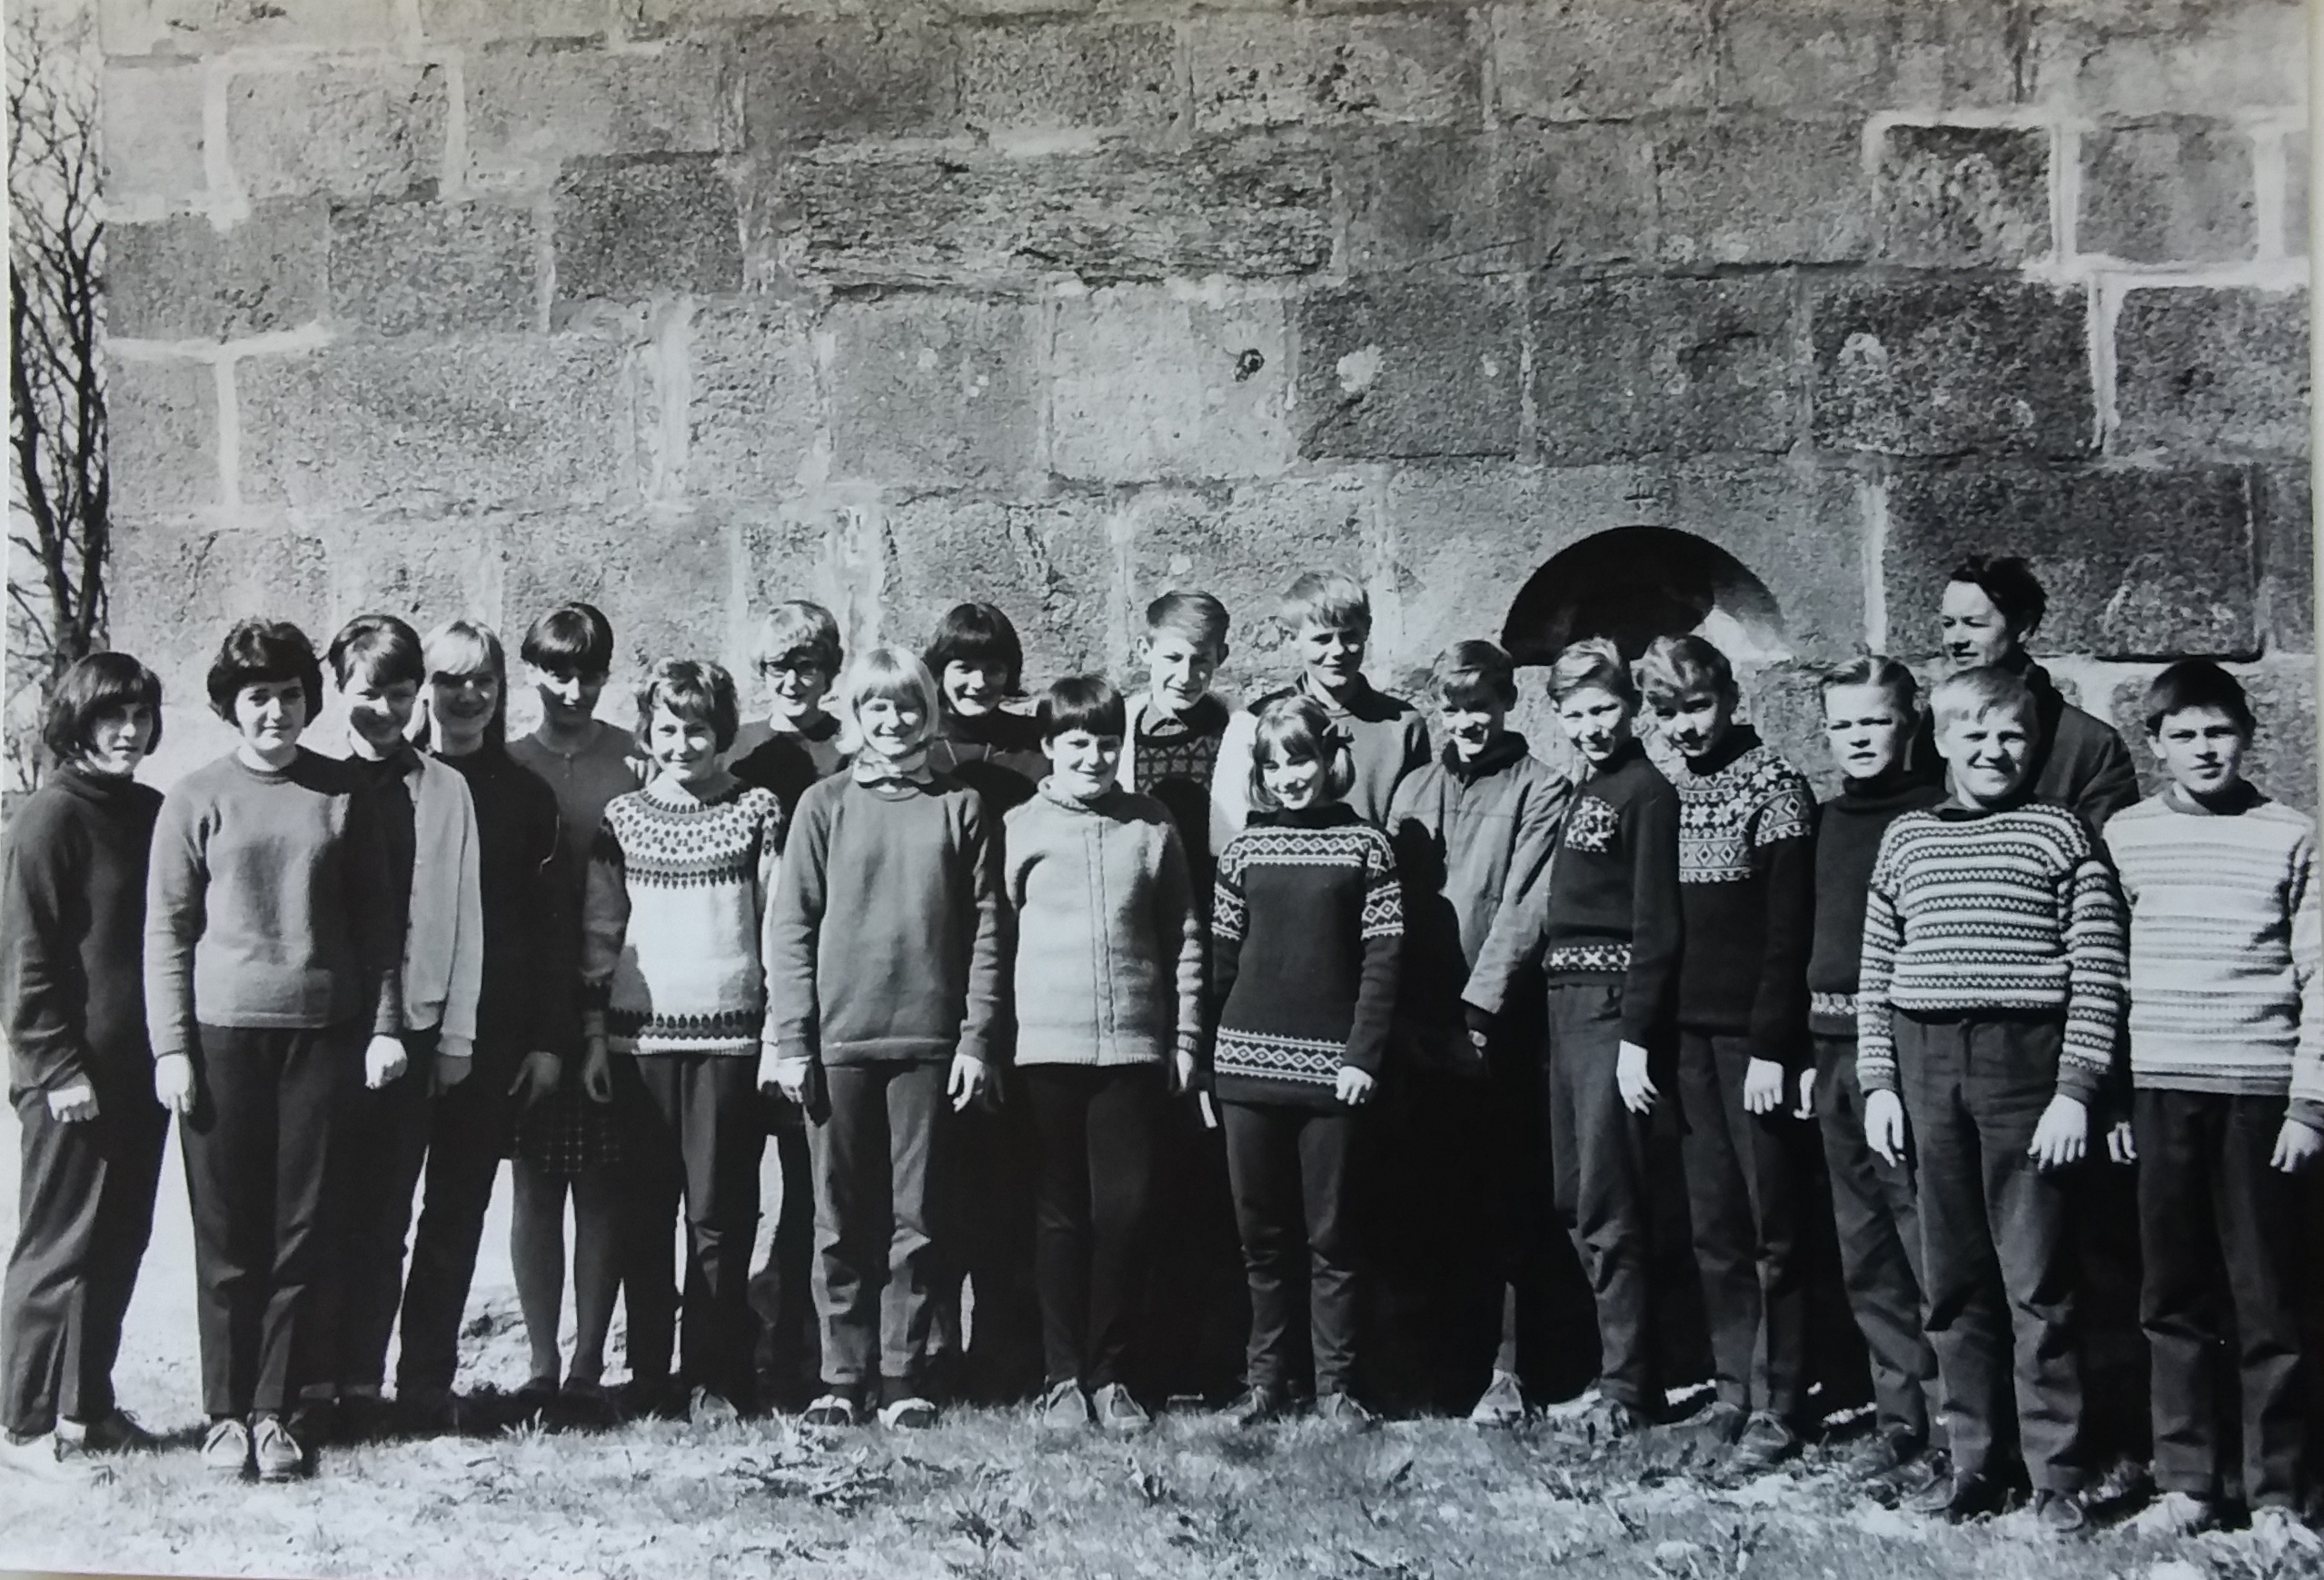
(686, 306)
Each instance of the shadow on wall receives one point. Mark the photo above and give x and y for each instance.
(1636, 583)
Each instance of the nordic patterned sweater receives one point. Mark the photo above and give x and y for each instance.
(2225, 943)
(2009, 911)
(1306, 942)
(674, 924)
(1746, 877)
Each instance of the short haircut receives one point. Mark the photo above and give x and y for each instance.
(260, 652)
(693, 689)
(1467, 672)
(1594, 663)
(1681, 666)
(1090, 702)
(2198, 683)
(572, 638)
(1197, 616)
(1875, 670)
(1326, 599)
(796, 630)
(1296, 728)
(978, 634)
(892, 673)
(92, 687)
(2009, 584)
(1975, 692)
(379, 648)
(464, 647)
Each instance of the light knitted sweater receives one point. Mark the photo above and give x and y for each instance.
(2225, 942)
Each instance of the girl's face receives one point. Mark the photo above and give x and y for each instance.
(271, 716)
(568, 697)
(462, 706)
(684, 749)
(970, 690)
(1867, 729)
(1179, 670)
(380, 711)
(1596, 721)
(119, 738)
(1970, 630)
(892, 726)
(1298, 783)
(1084, 764)
(1989, 754)
(794, 686)
(1694, 722)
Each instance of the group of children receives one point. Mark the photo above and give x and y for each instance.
(1082, 1006)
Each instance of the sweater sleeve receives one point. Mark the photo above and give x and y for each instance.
(605, 921)
(1521, 917)
(1227, 919)
(1383, 935)
(1177, 917)
(41, 870)
(1230, 779)
(1785, 839)
(765, 881)
(468, 929)
(177, 881)
(2307, 955)
(1652, 980)
(1417, 752)
(2097, 967)
(990, 948)
(793, 1010)
(381, 912)
(546, 933)
(1883, 936)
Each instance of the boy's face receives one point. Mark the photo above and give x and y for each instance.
(1296, 783)
(380, 711)
(1333, 656)
(796, 685)
(892, 726)
(568, 697)
(1179, 668)
(119, 738)
(1695, 722)
(1473, 722)
(461, 705)
(1868, 732)
(272, 714)
(970, 690)
(1085, 764)
(1970, 630)
(684, 749)
(2201, 749)
(1596, 721)
(1987, 753)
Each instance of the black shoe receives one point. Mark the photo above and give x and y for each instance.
(363, 1418)
(1883, 1454)
(1767, 1441)
(1912, 1478)
(1957, 1498)
(643, 1397)
(2061, 1513)
(1259, 1403)
(1717, 1428)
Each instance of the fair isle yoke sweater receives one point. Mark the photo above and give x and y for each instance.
(1306, 948)
(674, 926)
(2225, 943)
(2009, 910)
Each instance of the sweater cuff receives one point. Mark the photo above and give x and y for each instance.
(2079, 1081)
(2307, 1111)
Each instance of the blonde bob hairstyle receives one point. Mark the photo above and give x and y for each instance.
(1296, 728)
(892, 673)
(466, 647)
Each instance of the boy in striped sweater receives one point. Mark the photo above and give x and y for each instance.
(1987, 1005)
(2226, 1067)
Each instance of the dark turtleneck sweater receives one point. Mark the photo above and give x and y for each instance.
(996, 754)
(73, 934)
(787, 762)
(527, 1001)
(1847, 834)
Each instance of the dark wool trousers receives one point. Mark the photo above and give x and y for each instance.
(700, 1134)
(782, 1295)
(378, 1149)
(1290, 1169)
(1598, 1149)
(468, 1135)
(85, 1213)
(1877, 1212)
(1995, 1244)
(992, 1169)
(877, 1152)
(2221, 1232)
(2117, 1419)
(1199, 1303)
(1744, 1193)
(648, 1261)
(1100, 1130)
(257, 1149)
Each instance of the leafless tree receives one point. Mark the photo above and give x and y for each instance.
(59, 490)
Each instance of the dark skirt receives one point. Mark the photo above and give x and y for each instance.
(567, 1133)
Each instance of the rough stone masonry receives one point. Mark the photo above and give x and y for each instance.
(1766, 310)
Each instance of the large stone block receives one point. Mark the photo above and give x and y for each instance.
(1400, 365)
(1964, 196)
(1149, 385)
(1577, 60)
(475, 20)
(2282, 758)
(1846, 57)
(531, 106)
(212, 27)
(660, 576)
(442, 426)
(153, 137)
(1643, 367)
(2173, 191)
(347, 130)
(161, 436)
(400, 267)
(2284, 516)
(1551, 195)
(427, 568)
(2212, 370)
(184, 279)
(1752, 190)
(930, 390)
(1278, 70)
(2138, 563)
(178, 582)
(923, 217)
(873, 76)
(1048, 564)
(2139, 57)
(1057, 76)
(754, 412)
(662, 226)
(1951, 367)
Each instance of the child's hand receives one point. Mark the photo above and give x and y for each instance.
(537, 1077)
(2121, 1146)
(2063, 1134)
(173, 1082)
(455, 1056)
(597, 1071)
(967, 1081)
(1763, 1086)
(2298, 1145)
(1355, 1087)
(1182, 1071)
(1480, 1025)
(1631, 1079)
(384, 1060)
(71, 1105)
(1884, 1126)
(1806, 1110)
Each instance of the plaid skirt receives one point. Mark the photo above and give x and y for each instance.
(567, 1134)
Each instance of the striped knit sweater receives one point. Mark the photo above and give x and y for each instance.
(2225, 943)
(2007, 912)
(673, 941)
